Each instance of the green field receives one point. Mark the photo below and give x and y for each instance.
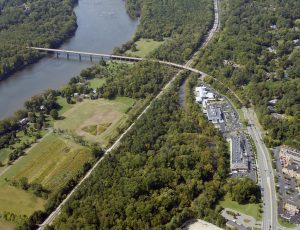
(4, 153)
(248, 209)
(64, 105)
(285, 223)
(51, 163)
(241, 115)
(96, 82)
(19, 201)
(21, 138)
(7, 225)
(96, 120)
(145, 47)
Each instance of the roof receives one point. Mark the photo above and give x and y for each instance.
(214, 113)
(200, 225)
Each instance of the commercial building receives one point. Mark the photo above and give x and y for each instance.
(240, 154)
(214, 114)
(290, 160)
(202, 93)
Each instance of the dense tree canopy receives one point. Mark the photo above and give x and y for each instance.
(257, 55)
(182, 24)
(163, 174)
(35, 22)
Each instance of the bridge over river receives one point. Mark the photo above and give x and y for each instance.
(114, 57)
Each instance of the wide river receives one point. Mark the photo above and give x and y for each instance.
(102, 25)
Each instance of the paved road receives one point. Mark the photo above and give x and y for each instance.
(57, 211)
(265, 171)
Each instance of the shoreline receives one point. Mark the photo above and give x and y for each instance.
(70, 35)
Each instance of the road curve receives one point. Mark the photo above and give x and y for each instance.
(215, 27)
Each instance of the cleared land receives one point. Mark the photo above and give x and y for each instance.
(18, 201)
(96, 120)
(286, 224)
(145, 47)
(6, 225)
(96, 82)
(52, 162)
(248, 209)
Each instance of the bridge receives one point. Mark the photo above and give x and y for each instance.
(114, 57)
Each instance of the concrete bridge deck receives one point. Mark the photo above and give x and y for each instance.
(116, 57)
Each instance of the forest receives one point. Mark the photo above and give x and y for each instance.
(181, 24)
(36, 23)
(163, 174)
(256, 54)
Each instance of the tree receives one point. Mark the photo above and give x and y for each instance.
(54, 114)
(23, 183)
(244, 190)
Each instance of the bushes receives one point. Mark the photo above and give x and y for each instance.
(244, 190)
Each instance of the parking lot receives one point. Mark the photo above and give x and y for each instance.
(224, 116)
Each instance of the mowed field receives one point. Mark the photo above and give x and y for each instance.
(96, 120)
(145, 47)
(248, 209)
(52, 162)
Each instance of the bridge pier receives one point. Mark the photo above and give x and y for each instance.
(79, 57)
(68, 56)
(57, 54)
(91, 58)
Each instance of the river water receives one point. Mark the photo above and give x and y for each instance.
(102, 25)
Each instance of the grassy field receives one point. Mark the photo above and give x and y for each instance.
(19, 201)
(145, 47)
(21, 138)
(241, 115)
(51, 163)
(64, 105)
(248, 209)
(96, 82)
(96, 120)
(7, 225)
(4, 153)
(285, 223)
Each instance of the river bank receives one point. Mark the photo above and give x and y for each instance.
(108, 25)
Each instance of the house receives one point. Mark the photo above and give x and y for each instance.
(273, 102)
(296, 41)
(24, 121)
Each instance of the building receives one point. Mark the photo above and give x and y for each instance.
(203, 93)
(240, 155)
(290, 160)
(214, 114)
(24, 121)
(292, 209)
(273, 101)
(288, 155)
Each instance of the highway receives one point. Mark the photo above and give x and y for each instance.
(213, 30)
(265, 172)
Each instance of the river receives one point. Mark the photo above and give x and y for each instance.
(102, 25)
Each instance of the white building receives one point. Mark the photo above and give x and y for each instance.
(203, 93)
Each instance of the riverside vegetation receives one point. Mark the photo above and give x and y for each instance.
(171, 167)
(36, 23)
(72, 153)
(179, 25)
